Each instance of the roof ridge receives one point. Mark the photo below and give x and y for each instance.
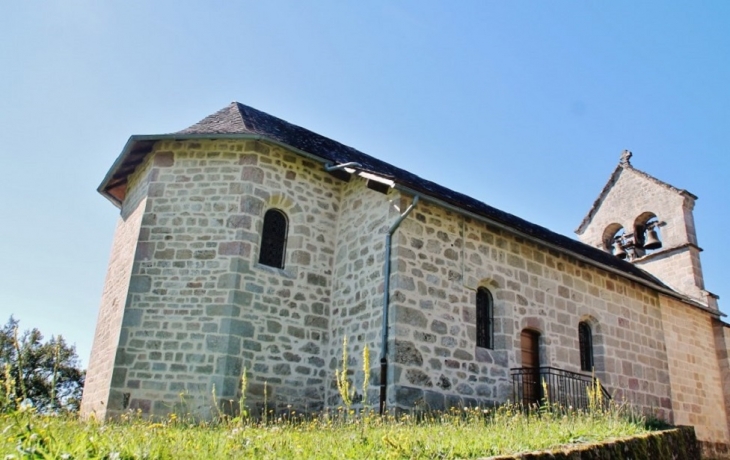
(241, 108)
(228, 120)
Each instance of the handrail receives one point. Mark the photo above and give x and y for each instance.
(567, 388)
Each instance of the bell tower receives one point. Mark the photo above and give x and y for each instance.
(649, 223)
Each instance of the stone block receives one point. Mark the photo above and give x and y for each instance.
(234, 248)
(119, 376)
(204, 254)
(434, 401)
(438, 327)
(164, 159)
(236, 327)
(281, 369)
(240, 298)
(318, 322)
(132, 318)
(252, 345)
(145, 251)
(463, 355)
(294, 331)
(408, 396)
(410, 316)
(252, 174)
(483, 355)
(229, 281)
(140, 284)
(311, 348)
(316, 280)
(251, 205)
(418, 377)
(223, 310)
(407, 353)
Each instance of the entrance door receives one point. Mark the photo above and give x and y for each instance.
(531, 389)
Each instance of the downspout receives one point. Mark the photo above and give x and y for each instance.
(386, 304)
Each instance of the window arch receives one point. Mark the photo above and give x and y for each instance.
(585, 343)
(273, 238)
(485, 318)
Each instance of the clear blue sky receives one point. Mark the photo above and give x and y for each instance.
(523, 105)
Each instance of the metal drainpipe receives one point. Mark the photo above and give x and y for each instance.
(386, 304)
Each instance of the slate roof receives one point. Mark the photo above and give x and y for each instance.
(239, 119)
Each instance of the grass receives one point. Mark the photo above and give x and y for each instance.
(342, 433)
(466, 433)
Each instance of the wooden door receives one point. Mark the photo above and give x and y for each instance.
(530, 345)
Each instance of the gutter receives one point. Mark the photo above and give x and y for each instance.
(386, 303)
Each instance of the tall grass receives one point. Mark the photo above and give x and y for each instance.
(336, 433)
(458, 433)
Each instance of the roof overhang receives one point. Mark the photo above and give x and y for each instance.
(135, 151)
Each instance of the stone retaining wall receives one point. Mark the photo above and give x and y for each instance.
(676, 444)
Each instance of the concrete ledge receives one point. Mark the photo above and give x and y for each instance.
(675, 444)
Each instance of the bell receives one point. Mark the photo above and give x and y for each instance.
(652, 240)
(618, 250)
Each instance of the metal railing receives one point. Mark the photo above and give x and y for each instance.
(568, 389)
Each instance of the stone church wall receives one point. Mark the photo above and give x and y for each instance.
(632, 195)
(722, 346)
(113, 299)
(201, 308)
(357, 293)
(187, 307)
(443, 257)
(697, 389)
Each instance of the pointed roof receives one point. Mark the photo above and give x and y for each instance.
(238, 121)
(228, 120)
(624, 164)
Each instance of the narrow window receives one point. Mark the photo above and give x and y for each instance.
(485, 319)
(273, 239)
(585, 339)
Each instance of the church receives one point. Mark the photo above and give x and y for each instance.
(246, 243)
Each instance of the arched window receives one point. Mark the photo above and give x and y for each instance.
(485, 318)
(585, 339)
(273, 239)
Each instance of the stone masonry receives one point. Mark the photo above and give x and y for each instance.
(113, 300)
(631, 195)
(444, 257)
(187, 307)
